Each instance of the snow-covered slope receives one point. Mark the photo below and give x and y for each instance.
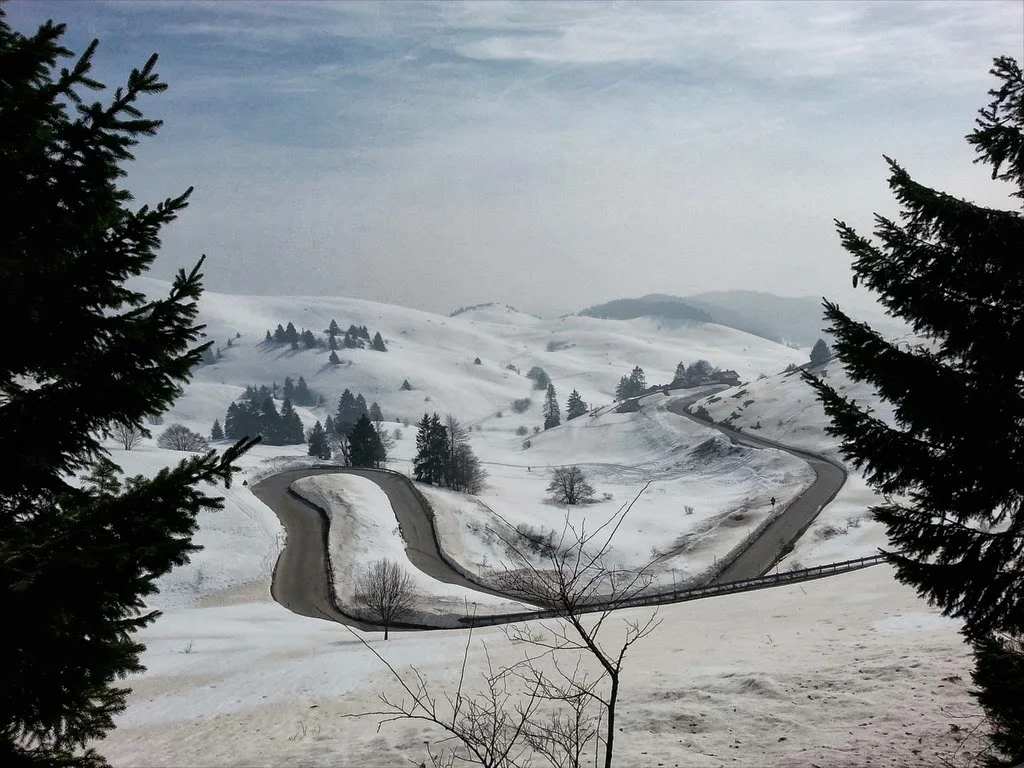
(815, 673)
(436, 354)
(783, 408)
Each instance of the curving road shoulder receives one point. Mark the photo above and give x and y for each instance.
(766, 548)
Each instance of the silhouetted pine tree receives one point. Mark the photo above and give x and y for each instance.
(378, 343)
(333, 329)
(279, 335)
(216, 432)
(77, 562)
(949, 468)
(333, 358)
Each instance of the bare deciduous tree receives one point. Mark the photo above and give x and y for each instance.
(545, 708)
(178, 437)
(128, 435)
(569, 485)
(386, 591)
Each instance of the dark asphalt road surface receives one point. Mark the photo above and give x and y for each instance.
(302, 580)
(766, 549)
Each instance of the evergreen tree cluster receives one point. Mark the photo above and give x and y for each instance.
(444, 456)
(948, 468)
(632, 385)
(299, 392)
(355, 337)
(351, 408)
(295, 338)
(256, 413)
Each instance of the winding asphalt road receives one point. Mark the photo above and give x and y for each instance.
(764, 550)
(302, 580)
(303, 583)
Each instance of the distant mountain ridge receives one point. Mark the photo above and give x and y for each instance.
(777, 318)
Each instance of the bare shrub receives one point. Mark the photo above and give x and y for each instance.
(569, 486)
(178, 437)
(540, 542)
(521, 405)
(386, 591)
(829, 531)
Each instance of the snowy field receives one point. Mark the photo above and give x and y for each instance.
(850, 670)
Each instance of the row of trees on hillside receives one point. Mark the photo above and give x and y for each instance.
(444, 456)
(356, 337)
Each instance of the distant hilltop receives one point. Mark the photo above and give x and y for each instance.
(795, 321)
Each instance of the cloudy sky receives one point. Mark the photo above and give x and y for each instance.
(546, 155)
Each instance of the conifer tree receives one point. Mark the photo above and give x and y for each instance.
(333, 329)
(332, 344)
(820, 352)
(376, 414)
(216, 432)
(78, 562)
(623, 391)
(292, 432)
(365, 446)
(574, 406)
(303, 395)
(288, 389)
(290, 334)
(279, 335)
(406, 386)
(552, 413)
(949, 467)
(378, 343)
(308, 339)
(333, 358)
(637, 381)
(269, 337)
(680, 374)
(431, 450)
(319, 445)
(348, 412)
(269, 422)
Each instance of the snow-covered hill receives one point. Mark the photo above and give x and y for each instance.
(235, 678)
